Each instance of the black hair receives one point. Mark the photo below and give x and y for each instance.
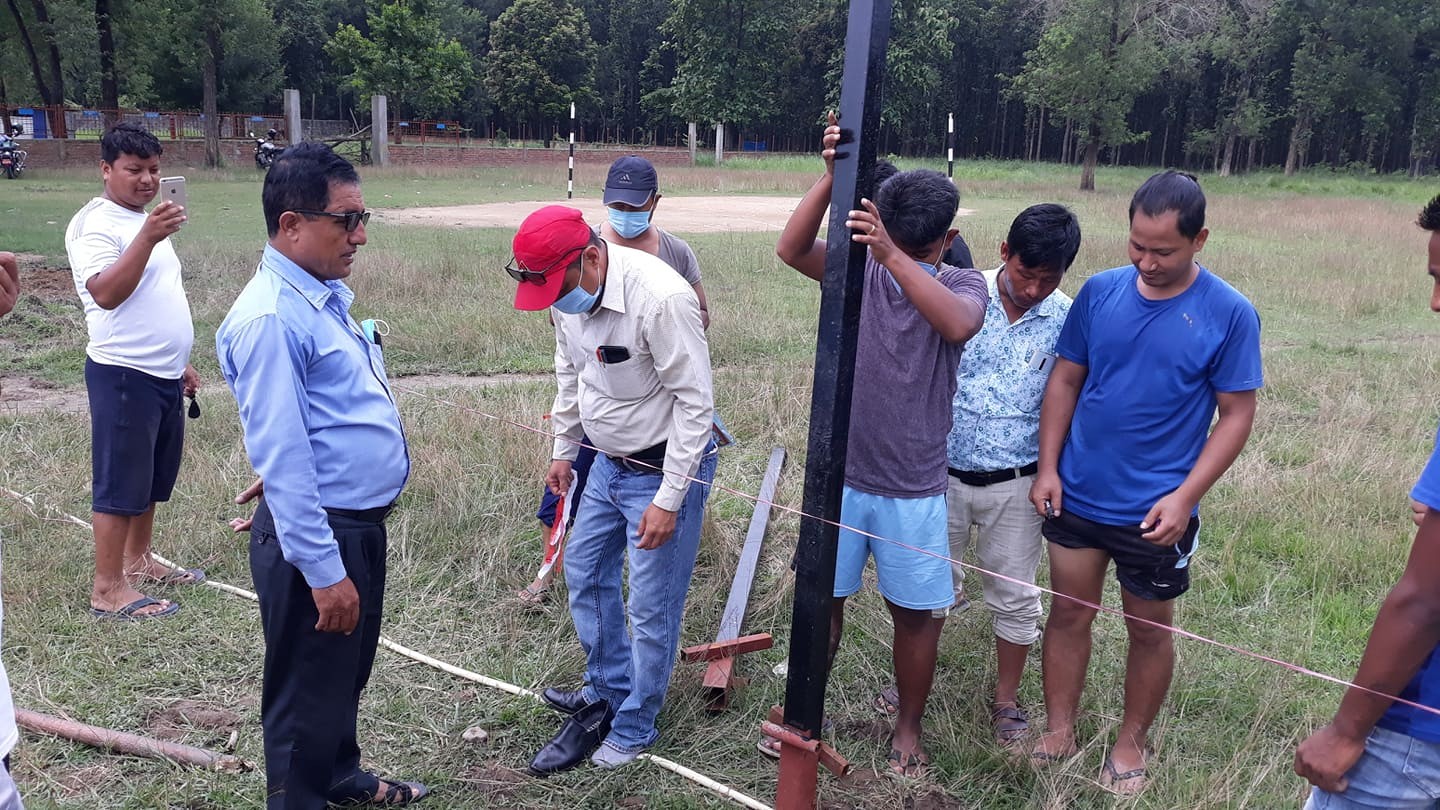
(958, 254)
(1172, 191)
(917, 207)
(300, 178)
(884, 170)
(127, 138)
(1046, 237)
(1430, 215)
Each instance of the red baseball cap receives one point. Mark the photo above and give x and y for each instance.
(548, 242)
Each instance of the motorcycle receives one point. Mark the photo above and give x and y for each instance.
(265, 150)
(12, 157)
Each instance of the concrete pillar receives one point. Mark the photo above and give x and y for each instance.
(292, 117)
(719, 142)
(379, 131)
(693, 139)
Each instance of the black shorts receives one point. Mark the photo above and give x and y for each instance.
(1144, 569)
(137, 430)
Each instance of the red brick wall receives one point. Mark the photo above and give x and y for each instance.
(47, 152)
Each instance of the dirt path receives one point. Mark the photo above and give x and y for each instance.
(679, 214)
(26, 396)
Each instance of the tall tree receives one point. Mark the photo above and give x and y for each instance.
(44, 60)
(109, 84)
(406, 57)
(1096, 57)
(728, 56)
(541, 59)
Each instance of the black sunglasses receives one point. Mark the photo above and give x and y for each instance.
(538, 276)
(352, 219)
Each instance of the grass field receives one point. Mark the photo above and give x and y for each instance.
(1302, 538)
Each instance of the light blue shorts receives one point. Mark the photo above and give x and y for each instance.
(907, 578)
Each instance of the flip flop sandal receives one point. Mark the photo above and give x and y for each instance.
(532, 596)
(131, 612)
(887, 702)
(907, 766)
(1011, 723)
(1110, 779)
(182, 576)
(1042, 759)
(398, 794)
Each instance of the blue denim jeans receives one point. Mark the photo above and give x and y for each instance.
(630, 672)
(1396, 771)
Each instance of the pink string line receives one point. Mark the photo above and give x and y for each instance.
(1179, 631)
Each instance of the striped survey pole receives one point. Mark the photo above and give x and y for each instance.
(950, 147)
(570, 182)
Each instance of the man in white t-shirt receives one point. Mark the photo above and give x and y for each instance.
(137, 367)
(9, 734)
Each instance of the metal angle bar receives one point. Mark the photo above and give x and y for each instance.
(867, 35)
(734, 614)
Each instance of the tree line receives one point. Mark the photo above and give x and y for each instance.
(1221, 85)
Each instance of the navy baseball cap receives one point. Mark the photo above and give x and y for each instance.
(631, 181)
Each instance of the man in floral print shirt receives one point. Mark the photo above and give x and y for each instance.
(994, 440)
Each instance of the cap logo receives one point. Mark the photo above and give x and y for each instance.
(625, 178)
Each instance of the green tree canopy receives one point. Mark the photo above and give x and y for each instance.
(406, 57)
(541, 59)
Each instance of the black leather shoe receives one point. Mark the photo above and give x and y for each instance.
(565, 702)
(578, 738)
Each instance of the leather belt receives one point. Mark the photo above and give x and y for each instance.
(985, 479)
(375, 515)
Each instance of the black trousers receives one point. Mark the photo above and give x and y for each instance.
(313, 680)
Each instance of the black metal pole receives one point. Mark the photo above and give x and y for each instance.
(860, 98)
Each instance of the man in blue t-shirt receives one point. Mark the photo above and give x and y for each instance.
(1147, 354)
(1376, 752)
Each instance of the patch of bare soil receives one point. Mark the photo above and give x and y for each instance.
(22, 396)
(495, 782)
(26, 396)
(680, 214)
(76, 781)
(933, 799)
(185, 716)
(48, 283)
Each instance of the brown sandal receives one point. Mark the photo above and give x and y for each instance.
(1011, 723)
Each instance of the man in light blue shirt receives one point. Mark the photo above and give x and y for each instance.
(994, 441)
(322, 431)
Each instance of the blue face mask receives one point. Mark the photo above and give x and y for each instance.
(629, 224)
(930, 269)
(578, 301)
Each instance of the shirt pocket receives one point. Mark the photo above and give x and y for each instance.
(627, 381)
(1022, 387)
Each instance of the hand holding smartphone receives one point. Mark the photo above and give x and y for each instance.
(172, 189)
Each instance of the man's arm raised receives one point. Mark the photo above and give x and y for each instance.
(798, 246)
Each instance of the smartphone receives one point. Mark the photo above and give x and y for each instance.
(173, 189)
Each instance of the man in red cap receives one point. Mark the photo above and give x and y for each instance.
(633, 373)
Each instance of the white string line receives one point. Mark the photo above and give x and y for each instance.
(724, 791)
(1179, 631)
